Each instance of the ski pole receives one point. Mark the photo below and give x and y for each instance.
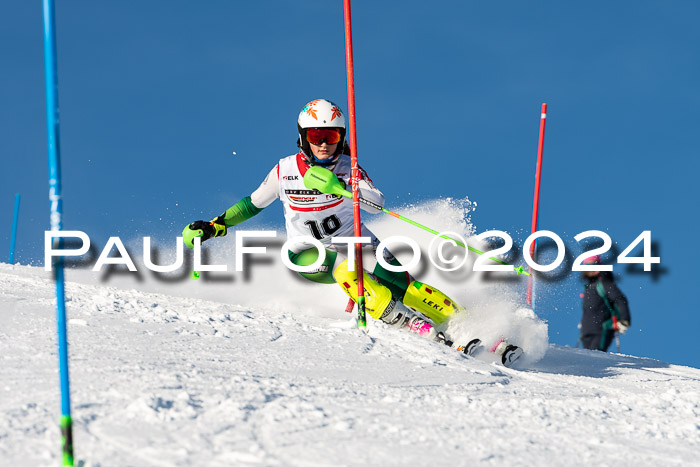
(325, 181)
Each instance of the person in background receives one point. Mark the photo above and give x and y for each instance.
(605, 308)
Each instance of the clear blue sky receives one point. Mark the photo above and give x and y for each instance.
(156, 96)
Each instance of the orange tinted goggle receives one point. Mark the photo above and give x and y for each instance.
(318, 136)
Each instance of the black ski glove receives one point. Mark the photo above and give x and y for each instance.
(203, 229)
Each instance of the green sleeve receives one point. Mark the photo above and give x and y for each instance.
(239, 212)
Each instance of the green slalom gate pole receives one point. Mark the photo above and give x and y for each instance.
(325, 181)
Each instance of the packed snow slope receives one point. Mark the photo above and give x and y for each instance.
(168, 380)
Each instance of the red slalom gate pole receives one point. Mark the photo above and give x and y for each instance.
(536, 203)
(354, 176)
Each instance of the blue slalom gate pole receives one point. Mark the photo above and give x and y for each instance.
(13, 239)
(50, 70)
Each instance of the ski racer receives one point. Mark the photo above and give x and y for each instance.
(395, 298)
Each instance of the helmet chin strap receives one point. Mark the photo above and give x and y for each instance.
(324, 162)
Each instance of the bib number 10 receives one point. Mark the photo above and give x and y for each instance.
(326, 227)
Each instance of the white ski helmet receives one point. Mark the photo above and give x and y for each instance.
(320, 113)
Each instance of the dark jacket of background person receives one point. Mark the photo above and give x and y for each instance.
(596, 313)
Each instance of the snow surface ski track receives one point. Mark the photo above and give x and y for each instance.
(165, 380)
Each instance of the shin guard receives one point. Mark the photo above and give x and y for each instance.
(378, 299)
(429, 301)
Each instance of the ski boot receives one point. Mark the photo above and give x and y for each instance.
(422, 327)
(509, 353)
(398, 316)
